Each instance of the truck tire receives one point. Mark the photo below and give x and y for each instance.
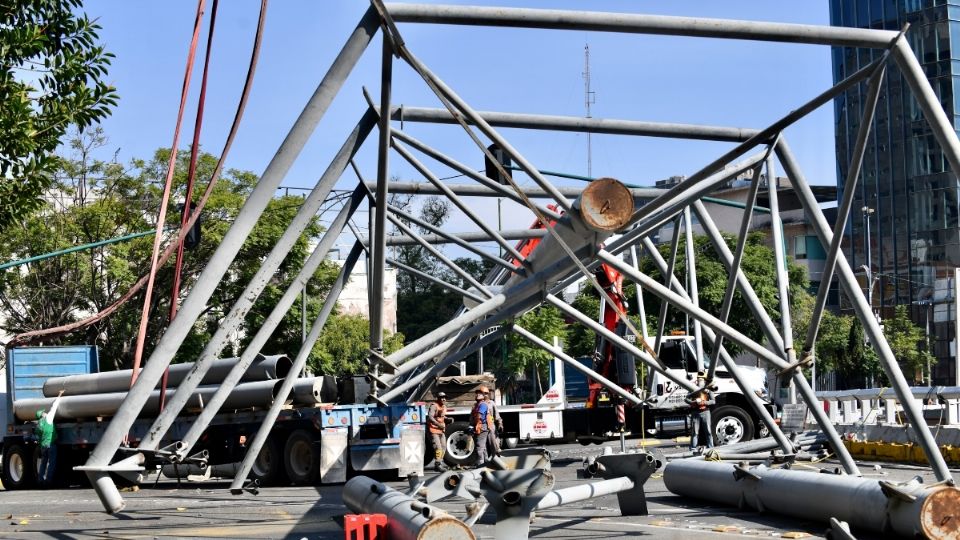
(301, 458)
(731, 424)
(267, 469)
(461, 449)
(19, 466)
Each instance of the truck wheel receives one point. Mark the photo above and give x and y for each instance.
(461, 449)
(267, 467)
(731, 424)
(301, 458)
(19, 466)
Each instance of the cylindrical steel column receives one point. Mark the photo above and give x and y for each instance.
(912, 510)
(583, 492)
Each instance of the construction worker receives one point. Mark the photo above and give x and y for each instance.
(437, 424)
(481, 419)
(47, 436)
(700, 403)
(493, 441)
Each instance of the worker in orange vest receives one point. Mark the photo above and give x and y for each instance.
(437, 424)
(481, 419)
(700, 403)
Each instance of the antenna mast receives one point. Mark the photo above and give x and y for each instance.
(589, 98)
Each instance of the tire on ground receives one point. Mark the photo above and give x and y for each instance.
(731, 424)
(268, 467)
(19, 466)
(461, 449)
(301, 458)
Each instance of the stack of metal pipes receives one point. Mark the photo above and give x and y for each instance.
(98, 395)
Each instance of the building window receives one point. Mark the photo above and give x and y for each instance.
(799, 247)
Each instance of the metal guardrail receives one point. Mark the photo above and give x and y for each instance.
(872, 406)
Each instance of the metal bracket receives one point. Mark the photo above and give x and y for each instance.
(513, 496)
(894, 491)
(839, 530)
(803, 362)
(637, 466)
(741, 471)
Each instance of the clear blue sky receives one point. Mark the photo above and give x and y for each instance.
(732, 83)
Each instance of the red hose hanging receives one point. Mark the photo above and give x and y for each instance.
(161, 219)
(191, 176)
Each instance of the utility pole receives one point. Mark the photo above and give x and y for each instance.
(589, 98)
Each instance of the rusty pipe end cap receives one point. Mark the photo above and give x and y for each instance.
(606, 205)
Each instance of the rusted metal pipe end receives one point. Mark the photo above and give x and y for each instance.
(444, 528)
(940, 514)
(606, 205)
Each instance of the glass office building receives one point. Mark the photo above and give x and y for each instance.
(907, 202)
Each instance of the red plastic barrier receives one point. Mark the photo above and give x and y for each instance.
(365, 527)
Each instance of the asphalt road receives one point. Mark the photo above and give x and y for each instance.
(208, 510)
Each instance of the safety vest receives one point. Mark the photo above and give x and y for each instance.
(477, 422)
(440, 414)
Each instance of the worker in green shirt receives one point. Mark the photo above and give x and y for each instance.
(47, 435)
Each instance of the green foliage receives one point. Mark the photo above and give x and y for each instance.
(344, 344)
(51, 78)
(93, 200)
(908, 342)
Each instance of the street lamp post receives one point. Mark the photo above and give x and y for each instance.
(867, 212)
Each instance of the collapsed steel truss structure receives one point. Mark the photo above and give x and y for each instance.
(575, 241)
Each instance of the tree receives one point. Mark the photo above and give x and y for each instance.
(92, 200)
(52, 74)
(545, 322)
(344, 345)
(908, 342)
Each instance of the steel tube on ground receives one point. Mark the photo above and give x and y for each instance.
(935, 512)
(407, 518)
(252, 394)
(632, 23)
(582, 492)
(195, 303)
(265, 367)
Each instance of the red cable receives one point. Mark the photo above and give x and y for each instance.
(26, 338)
(161, 219)
(191, 176)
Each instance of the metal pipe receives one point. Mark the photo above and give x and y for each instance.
(579, 124)
(640, 24)
(470, 173)
(692, 288)
(435, 280)
(780, 264)
(667, 278)
(273, 320)
(619, 341)
(864, 312)
(912, 510)
(843, 211)
(583, 492)
(459, 239)
(298, 364)
(406, 518)
(267, 271)
(731, 288)
(471, 190)
(91, 406)
(569, 360)
(195, 303)
(735, 372)
(264, 367)
(379, 232)
(448, 94)
(452, 197)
